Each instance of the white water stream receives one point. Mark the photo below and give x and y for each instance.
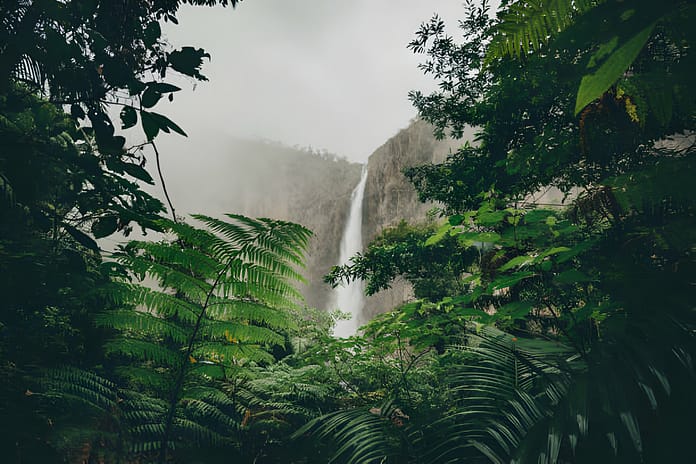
(350, 298)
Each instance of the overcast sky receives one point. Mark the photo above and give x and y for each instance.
(331, 74)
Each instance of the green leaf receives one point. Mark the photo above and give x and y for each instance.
(472, 238)
(163, 123)
(76, 111)
(150, 125)
(571, 276)
(510, 280)
(456, 220)
(441, 233)
(129, 117)
(81, 237)
(515, 309)
(104, 226)
(578, 249)
(163, 87)
(594, 85)
(188, 61)
(150, 97)
(516, 262)
(152, 33)
(138, 172)
(487, 217)
(552, 251)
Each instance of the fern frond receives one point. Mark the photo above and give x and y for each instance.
(222, 298)
(203, 410)
(212, 395)
(160, 303)
(144, 350)
(78, 386)
(500, 394)
(529, 25)
(140, 405)
(198, 433)
(144, 324)
(140, 376)
(242, 310)
(233, 232)
(167, 276)
(241, 333)
(229, 353)
(31, 72)
(182, 258)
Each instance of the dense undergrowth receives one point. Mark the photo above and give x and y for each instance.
(540, 332)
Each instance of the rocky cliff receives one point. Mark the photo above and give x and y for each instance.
(389, 197)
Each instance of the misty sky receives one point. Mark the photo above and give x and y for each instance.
(332, 74)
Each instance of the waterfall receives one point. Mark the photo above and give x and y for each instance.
(349, 298)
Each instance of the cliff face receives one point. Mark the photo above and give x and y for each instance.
(390, 197)
(261, 179)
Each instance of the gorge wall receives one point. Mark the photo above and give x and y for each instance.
(390, 197)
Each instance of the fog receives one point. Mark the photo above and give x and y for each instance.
(323, 73)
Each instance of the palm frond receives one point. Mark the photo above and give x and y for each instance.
(358, 435)
(499, 394)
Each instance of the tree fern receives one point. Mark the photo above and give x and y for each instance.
(219, 303)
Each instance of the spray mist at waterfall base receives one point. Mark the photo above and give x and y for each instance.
(350, 298)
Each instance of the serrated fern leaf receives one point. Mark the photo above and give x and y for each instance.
(241, 310)
(143, 324)
(144, 350)
(530, 24)
(241, 333)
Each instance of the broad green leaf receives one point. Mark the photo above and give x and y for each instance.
(510, 280)
(441, 233)
(486, 217)
(165, 124)
(138, 172)
(104, 226)
(571, 276)
(81, 237)
(538, 215)
(552, 251)
(150, 125)
(456, 220)
(152, 33)
(594, 85)
(578, 249)
(468, 239)
(163, 87)
(150, 97)
(515, 309)
(519, 261)
(129, 117)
